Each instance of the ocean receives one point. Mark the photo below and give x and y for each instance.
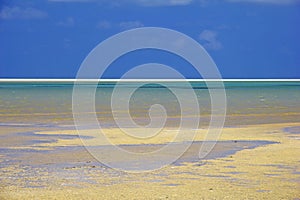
(50, 103)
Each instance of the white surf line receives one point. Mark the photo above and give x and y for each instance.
(147, 80)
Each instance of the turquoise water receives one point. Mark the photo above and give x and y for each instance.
(247, 102)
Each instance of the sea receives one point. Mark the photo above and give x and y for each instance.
(50, 103)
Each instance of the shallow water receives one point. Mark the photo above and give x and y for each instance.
(29, 108)
(293, 129)
(49, 104)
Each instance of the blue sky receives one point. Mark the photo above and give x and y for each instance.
(245, 38)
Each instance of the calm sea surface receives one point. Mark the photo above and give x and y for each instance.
(37, 103)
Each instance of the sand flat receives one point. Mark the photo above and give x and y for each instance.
(265, 172)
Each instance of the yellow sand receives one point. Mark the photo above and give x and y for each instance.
(266, 172)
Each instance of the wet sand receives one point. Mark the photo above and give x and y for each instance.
(249, 162)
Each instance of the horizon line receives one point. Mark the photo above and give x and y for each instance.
(130, 80)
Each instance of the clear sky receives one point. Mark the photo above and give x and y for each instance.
(245, 38)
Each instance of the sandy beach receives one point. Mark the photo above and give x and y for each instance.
(242, 167)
